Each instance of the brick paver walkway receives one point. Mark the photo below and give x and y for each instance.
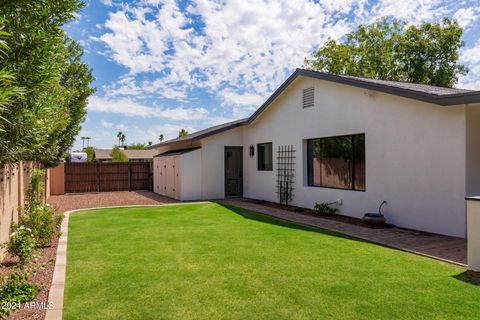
(441, 247)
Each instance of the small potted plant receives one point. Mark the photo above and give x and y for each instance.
(375, 220)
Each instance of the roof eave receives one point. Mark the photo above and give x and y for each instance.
(201, 136)
(166, 143)
(213, 132)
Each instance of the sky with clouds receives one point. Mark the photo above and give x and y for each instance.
(163, 65)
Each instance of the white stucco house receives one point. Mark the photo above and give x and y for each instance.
(326, 137)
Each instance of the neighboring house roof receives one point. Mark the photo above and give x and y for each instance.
(132, 154)
(422, 92)
(103, 154)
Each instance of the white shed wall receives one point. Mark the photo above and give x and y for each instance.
(191, 175)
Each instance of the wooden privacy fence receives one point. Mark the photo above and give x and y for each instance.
(111, 176)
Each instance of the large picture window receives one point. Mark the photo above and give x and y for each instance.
(337, 162)
(265, 156)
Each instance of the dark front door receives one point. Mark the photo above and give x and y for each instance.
(233, 172)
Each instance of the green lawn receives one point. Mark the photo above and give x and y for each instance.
(206, 261)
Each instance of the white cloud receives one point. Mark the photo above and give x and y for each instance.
(413, 11)
(466, 16)
(244, 49)
(108, 3)
(240, 104)
(131, 108)
(274, 37)
(111, 125)
(471, 57)
(129, 86)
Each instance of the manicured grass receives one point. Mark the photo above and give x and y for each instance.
(206, 261)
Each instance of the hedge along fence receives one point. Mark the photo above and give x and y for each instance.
(14, 181)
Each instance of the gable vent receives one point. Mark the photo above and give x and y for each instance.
(308, 97)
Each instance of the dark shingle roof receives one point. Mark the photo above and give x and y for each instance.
(424, 88)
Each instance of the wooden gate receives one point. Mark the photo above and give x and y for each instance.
(109, 176)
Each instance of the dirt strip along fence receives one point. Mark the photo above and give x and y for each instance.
(14, 181)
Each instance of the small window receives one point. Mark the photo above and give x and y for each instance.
(337, 162)
(265, 156)
(308, 97)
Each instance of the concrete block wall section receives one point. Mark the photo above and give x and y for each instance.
(14, 181)
(473, 233)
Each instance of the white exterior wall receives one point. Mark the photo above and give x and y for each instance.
(202, 171)
(415, 154)
(213, 162)
(191, 175)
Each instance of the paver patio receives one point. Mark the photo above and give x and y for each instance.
(441, 247)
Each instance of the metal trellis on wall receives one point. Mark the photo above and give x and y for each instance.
(285, 173)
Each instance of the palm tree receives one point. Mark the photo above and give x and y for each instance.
(83, 142)
(119, 136)
(161, 137)
(122, 139)
(182, 133)
(88, 141)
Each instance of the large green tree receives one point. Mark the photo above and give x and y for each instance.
(47, 64)
(9, 90)
(392, 50)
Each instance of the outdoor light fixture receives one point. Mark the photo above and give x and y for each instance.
(252, 150)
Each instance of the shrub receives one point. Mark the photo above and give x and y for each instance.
(324, 208)
(42, 223)
(14, 288)
(21, 244)
(57, 219)
(90, 151)
(34, 195)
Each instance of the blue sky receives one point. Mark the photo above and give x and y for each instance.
(165, 65)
